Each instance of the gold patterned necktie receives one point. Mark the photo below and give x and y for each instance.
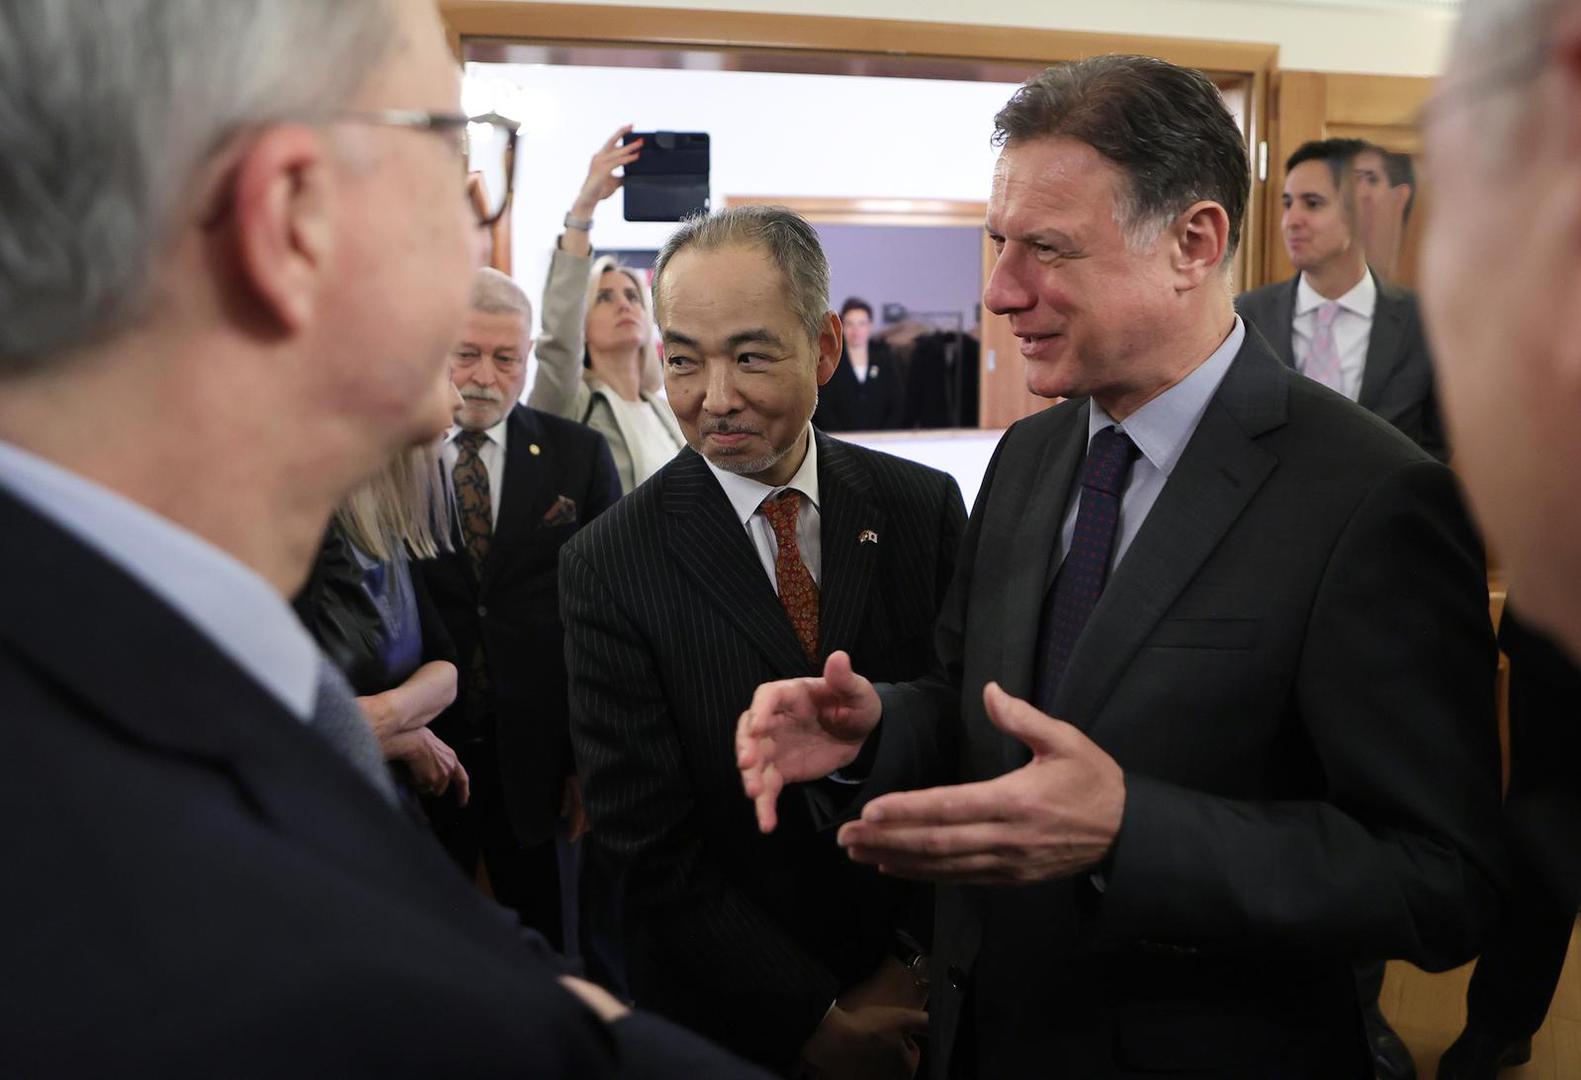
(798, 591)
(473, 499)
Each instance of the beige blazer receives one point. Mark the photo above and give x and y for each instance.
(563, 386)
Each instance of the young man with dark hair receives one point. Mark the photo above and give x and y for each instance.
(1336, 321)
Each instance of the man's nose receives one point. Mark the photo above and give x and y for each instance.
(1006, 292)
(721, 396)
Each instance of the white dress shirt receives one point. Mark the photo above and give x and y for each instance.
(228, 602)
(1352, 329)
(1160, 429)
(492, 451)
(746, 496)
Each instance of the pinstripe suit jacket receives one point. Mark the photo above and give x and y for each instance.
(671, 623)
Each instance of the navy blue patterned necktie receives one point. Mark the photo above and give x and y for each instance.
(1082, 575)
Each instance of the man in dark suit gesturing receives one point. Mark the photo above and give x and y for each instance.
(753, 555)
(525, 482)
(207, 338)
(1256, 611)
(1337, 321)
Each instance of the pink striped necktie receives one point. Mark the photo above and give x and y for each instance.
(1322, 362)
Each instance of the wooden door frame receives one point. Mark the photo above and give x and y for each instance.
(858, 44)
(855, 39)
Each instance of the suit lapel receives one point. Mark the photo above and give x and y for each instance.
(709, 545)
(1033, 555)
(1385, 345)
(1221, 470)
(525, 495)
(847, 514)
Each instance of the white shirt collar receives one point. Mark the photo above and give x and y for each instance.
(746, 494)
(1360, 300)
(495, 434)
(1162, 428)
(231, 604)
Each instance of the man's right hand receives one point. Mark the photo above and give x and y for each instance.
(803, 729)
(874, 1043)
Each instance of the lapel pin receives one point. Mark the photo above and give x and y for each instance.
(532, 448)
(867, 536)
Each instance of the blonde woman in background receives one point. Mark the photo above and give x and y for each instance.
(598, 363)
(371, 615)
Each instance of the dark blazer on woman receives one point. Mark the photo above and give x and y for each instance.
(876, 404)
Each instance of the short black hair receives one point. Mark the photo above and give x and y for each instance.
(1339, 154)
(1166, 127)
(855, 303)
(1402, 173)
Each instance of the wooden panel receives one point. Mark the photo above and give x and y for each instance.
(1244, 70)
(1376, 100)
(1300, 107)
(738, 30)
(1381, 109)
(842, 210)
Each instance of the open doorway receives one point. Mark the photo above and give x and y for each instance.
(799, 108)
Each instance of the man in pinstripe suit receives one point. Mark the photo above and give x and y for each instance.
(757, 552)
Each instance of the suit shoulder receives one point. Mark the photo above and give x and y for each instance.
(900, 477)
(1399, 295)
(632, 512)
(570, 432)
(1256, 301)
(1348, 432)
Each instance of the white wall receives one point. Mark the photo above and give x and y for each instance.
(771, 135)
(1374, 37)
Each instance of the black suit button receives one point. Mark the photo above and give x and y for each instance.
(483, 612)
(956, 976)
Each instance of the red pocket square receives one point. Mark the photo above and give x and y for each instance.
(563, 512)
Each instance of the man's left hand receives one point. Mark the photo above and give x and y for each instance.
(1052, 818)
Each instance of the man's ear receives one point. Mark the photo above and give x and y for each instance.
(830, 340)
(283, 223)
(1200, 237)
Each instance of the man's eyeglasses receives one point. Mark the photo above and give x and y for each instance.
(487, 146)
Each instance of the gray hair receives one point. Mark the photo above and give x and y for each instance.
(494, 293)
(1499, 42)
(108, 112)
(1166, 127)
(790, 242)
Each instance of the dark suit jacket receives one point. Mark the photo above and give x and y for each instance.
(877, 404)
(1543, 806)
(1397, 380)
(514, 611)
(1294, 665)
(198, 886)
(671, 625)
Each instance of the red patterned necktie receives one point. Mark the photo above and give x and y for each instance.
(798, 591)
(473, 499)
